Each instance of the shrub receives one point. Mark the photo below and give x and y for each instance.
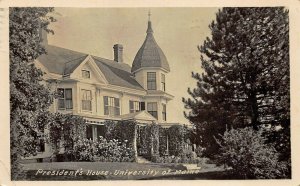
(83, 150)
(113, 151)
(103, 150)
(247, 153)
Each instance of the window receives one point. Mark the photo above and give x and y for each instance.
(86, 74)
(111, 106)
(65, 98)
(86, 100)
(164, 112)
(163, 82)
(151, 80)
(134, 106)
(152, 109)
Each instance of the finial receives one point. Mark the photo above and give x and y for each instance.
(149, 29)
(149, 15)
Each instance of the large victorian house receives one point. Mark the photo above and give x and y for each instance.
(101, 89)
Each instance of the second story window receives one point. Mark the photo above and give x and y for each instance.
(111, 106)
(86, 100)
(163, 82)
(134, 106)
(86, 74)
(152, 109)
(164, 112)
(65, 98)
(151, 80)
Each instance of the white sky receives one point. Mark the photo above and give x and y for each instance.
(178, 31)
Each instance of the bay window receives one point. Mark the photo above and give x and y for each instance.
(152, 109)
(86, 100)
(134, 106)
(65, 98)
(111, 106)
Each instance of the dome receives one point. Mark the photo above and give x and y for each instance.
(150, 54)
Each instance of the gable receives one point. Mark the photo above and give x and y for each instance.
(89, 67)
(142, 115)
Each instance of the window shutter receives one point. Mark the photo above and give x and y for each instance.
(69, 94)
(131, 105)
(105, 98)
(69, 102)
(117, 103)
(61, 93)
(142, 105)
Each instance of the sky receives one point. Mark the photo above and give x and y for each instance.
(178, 31)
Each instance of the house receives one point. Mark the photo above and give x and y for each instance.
(101, 89)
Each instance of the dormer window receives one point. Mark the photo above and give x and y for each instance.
(151, 80)
(86, 74)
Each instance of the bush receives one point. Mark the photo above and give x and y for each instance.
(103, 150)
(247, 153)
(113, 151)
(83, 150)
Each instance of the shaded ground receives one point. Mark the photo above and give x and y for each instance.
(116, 171)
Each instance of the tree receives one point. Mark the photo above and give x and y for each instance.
(28, 96)
(246, 75)
(246, 152)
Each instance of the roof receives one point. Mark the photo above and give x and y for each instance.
(60, 60)
(141, 115)
(117, 73)
(64, 61)
(150, 54)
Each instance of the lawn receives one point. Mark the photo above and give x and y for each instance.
(111, 171)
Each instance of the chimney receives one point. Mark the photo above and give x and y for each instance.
(118, 53)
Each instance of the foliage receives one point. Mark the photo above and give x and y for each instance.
(246, 151)
(178, 138)
(246, 75)
(66, 129)
(28, 97)
(84, 150)
(152, 144)
(148, 144)
(122, 130)
(103, 150)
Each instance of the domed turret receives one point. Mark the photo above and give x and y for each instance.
(150, 54)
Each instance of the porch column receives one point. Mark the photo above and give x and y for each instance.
(94, 133)
(135, 142)
(167, 145)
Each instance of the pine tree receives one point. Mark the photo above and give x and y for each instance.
(246, 75)
(28, 96)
